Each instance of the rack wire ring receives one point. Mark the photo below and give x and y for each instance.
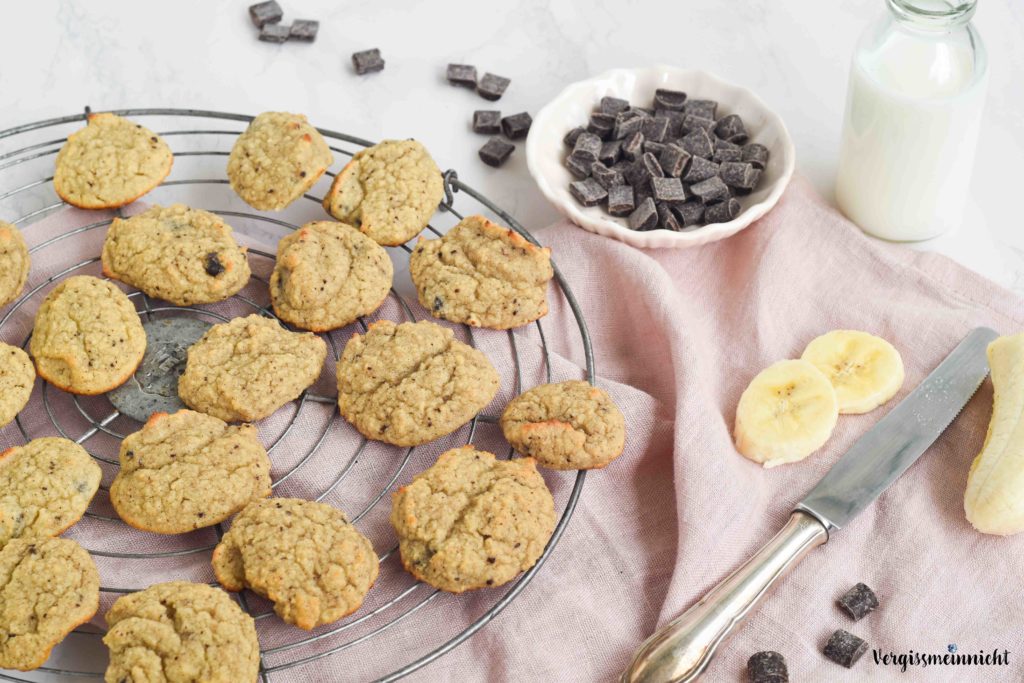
(36, 151)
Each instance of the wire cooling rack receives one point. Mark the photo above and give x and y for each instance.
(26, 157)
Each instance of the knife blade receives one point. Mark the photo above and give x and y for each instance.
(681, 649)
(898, 439)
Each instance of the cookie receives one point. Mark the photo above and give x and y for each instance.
(87, 337)
(45, 487)
(472, 521)
(48, 587)
(244, 370)
(178, 254)
(276, 160)
(178, 632)
(565, 426)
(17, 375)
(109, 163)
(412, 383)
(483, 275)
(327, 275)
(14, 263)
(389, 191)
(302, 555)
(187, 471)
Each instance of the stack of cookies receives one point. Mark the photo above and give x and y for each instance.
(402, 384)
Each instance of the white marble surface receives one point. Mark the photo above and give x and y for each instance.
(60, 55)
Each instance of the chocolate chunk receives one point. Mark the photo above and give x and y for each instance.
(610, 152)
(711, 190)
(767, 667)
(731, 128)
(613, 105)
(669, 99)
(213, 265)
(722, 212)
(620, 200)
(601, 125)
(738, 174)
(573, 135)
(689, 213)
(858, 601)
(654, 129)
(700, 169)
(492, 87)
(516, 126)
(588, 192)
(274, 33)
(666, 219)
(643, 169)
(756, 154)
(367, 61)
(675, 122)
(643, 111)
(668, 190)
(587, 147)
(579, 166)
(673, 160)
(703, 108)
(304, 30)
(692, 122)
(698, 143)
(487, 121)
(606, 176)
(496, 152)
(655, 148)
(633, 146)
(462, 74)
(724, 154)
(644, 216)
(626, 124)
(264, 13)
(845, 648)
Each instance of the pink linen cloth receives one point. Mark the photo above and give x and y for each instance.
(677, 335)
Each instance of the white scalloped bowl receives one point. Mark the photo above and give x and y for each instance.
(545, 151)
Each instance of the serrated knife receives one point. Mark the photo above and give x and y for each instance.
(681, 649)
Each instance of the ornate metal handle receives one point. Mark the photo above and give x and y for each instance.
(681, 649)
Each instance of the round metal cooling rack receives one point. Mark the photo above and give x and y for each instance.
(96, 418)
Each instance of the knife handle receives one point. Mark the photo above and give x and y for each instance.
(681, 649)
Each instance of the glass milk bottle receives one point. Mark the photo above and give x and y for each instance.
(913, 110)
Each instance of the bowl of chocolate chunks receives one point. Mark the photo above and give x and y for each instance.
(660, 156)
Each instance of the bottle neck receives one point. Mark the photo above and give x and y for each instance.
(933, 15)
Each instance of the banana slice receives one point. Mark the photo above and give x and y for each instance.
(786, 413)
(865, 370)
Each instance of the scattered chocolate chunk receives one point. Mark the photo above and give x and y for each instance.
(613, 105)
(666, 219)
(711, 190)
(274, 33)
(700, 169)
(492, 87)
(767, 667)
(674, 160)
(654, 129)
(264, 13)
(655, 148)
(367, 61)
(689, 213)
(738, 174)
(643, 169)
(487, 121)
(588, 147)
(213, 266)
(703, 108)
(620, 200)
(633, 146)
(462, 74)
(578, 166)
(644, 216)
(692, 122)
(698, 143)
(304, 30)
(626, 124)
(601, 125)
(668, 190)
(858, 601)
(845, 648)
(731, 128)
(722, 212)
(669, 99)
(606, 176)
(588, 192)
(517, 126)
(496, 152)
(610, 152)
(573, 135)
(756, 154)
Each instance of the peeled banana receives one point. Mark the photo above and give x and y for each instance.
(865, 370)
(994, 500)
(786, 413)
